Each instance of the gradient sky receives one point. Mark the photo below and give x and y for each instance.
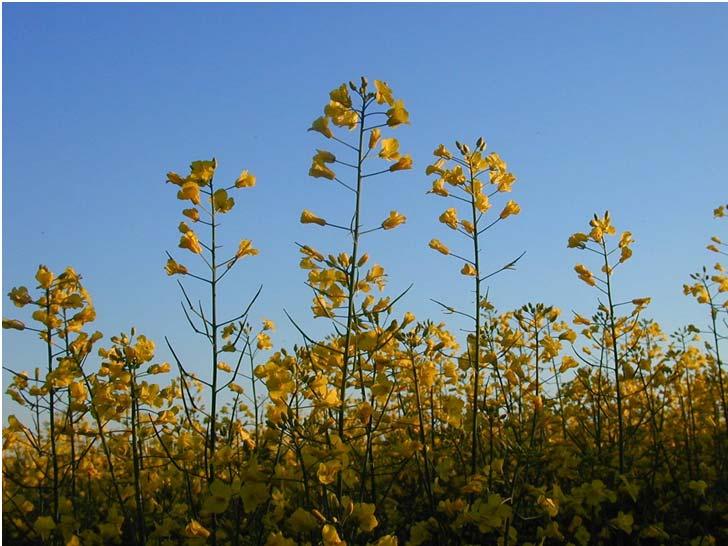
(619, 107)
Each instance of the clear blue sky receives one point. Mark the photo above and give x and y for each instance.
(593, 106)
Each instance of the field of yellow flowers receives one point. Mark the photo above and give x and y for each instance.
(532, 428)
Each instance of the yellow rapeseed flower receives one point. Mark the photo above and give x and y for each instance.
(308, 217)
(435, 244)
(395, 219)
(511, 209)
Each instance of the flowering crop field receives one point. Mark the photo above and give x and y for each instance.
(530, 428)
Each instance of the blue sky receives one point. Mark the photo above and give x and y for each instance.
(619, 107)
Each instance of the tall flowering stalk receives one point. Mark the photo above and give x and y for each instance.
(615, 327)
(337, 281)
(709, 288)
(461, 179)
(209, 203)
(61, 309)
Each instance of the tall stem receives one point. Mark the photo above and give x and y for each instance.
(615, 356)
(475, 359)
(135, 463)
(352, 284)
(213, 325)
(70, 420)
(718, 362)
(422, 438)
(52, 407)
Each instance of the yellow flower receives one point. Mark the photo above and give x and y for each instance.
(174, 268)
(397, 115)
(435, 244)
(322, 156)
(175, 179)
(469, 270)
(567, 363)
(308, 217)
(190, 242)
(511, 377)
(390, 149)
(511, 209)
(193, 214)
(320, 170)
(264, 342)
(327, 472)
(144, 349)
(340, 115)
(577, 240)
(720, 212)
(384, 93)
(195, 529)
(235, 388)
(20, 296)
(374, 138)
(44, 277)
(245, 180)
(202, 171)
(191, 191)
(395, 219)
(435, 168)
(623, 522)
(450, 218)
(331, 537)
(600, 227)
(155, 369)
(403, 163)
(625, 254)
(454, 176)
(585, 275)
(443, 152)
(78, 391)
(268, 325)
(363, 514)
(224, 366)
(321, 125)
(221, 202)
(482, 203)
(341, 95)
(438, 188)
(504, 181)
(245, 248)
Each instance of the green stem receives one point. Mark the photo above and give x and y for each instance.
(52, 408)
(475, 359)
(615, 356)
(351, 287)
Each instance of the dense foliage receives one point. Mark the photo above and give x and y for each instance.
(534, 428)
